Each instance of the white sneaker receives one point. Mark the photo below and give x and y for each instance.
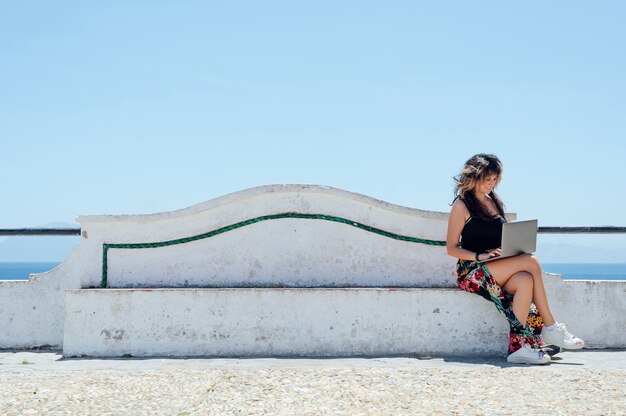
(551, 350)
(561, 337)
(528, 355)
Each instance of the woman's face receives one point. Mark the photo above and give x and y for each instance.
(488, 184)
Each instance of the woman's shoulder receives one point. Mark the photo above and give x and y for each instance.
(459, 202)
(459, 207)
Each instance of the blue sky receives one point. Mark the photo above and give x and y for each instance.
(140, 107)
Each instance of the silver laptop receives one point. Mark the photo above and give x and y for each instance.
(517, 238)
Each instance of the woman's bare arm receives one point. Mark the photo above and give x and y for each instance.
(458, 215)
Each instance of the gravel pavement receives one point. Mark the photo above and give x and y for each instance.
(588, 382)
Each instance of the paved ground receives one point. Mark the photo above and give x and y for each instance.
(589, 382)
(23, 361)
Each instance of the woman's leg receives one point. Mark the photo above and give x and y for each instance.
(521, 286)
(503, 270)
(479, 280)
(516, 300)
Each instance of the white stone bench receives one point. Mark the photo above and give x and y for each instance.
(281, 270)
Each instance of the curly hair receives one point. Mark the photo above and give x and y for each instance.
(477, 169)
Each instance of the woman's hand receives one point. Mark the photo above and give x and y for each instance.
(490, 254)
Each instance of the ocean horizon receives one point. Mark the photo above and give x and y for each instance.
(569, 271)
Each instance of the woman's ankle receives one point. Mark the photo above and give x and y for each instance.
(550, 327)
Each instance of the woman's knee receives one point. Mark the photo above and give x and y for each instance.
(530, 262)
(520, 281)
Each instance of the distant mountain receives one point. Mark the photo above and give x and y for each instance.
(568, 253)
(39, 248)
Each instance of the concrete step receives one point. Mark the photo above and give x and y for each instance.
(288, 322)
(321, 322)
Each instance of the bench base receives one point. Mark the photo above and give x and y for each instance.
(295, 322)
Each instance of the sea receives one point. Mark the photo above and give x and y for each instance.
(570, 271)
(21, 270)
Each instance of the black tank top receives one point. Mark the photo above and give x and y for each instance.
(479, 235)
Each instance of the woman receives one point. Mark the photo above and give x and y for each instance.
(514, 284)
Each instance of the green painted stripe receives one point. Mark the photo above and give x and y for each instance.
(107, 246)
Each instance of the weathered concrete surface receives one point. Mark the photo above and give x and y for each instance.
(284, 252)
(32, 311)
(279, 252)
(593, 309)
(297, 322)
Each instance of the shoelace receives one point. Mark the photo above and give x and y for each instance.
(564, 330)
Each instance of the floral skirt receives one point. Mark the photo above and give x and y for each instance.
(475, 278)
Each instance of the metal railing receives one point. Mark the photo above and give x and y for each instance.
(606, 229)
(541, 230)
(39, 231)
